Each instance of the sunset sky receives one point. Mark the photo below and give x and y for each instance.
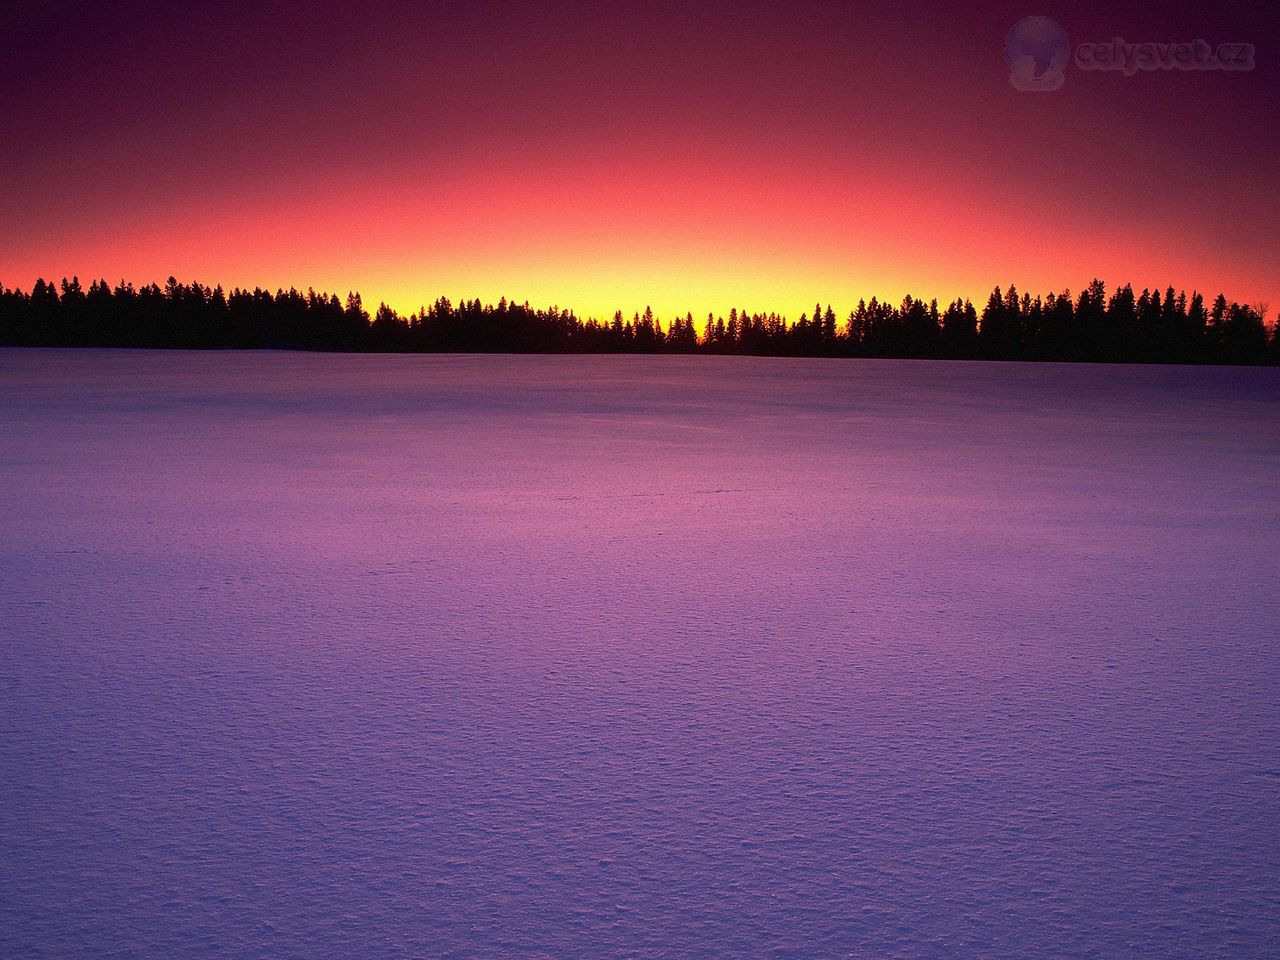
(691, 156)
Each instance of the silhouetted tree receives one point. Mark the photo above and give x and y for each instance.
(1154, 326)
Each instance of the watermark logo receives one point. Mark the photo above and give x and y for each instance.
(1129, 58)
(1037, 51)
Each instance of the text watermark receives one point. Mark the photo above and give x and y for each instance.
(1037, 53)
(1129, 58)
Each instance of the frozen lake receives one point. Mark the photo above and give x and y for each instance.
(363, 656)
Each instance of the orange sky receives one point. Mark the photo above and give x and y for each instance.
(616, 162)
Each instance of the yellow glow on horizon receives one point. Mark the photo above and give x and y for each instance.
(597, 237)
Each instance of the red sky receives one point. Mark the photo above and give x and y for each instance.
(599, 156)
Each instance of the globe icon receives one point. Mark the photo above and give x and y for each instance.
(1036, 51)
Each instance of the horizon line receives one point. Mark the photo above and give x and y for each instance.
(1261, 307)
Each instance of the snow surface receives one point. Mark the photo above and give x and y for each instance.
(364, 656)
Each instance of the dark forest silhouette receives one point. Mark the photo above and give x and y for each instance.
(1148, 327)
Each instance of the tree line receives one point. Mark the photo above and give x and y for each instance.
(1124, 326)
